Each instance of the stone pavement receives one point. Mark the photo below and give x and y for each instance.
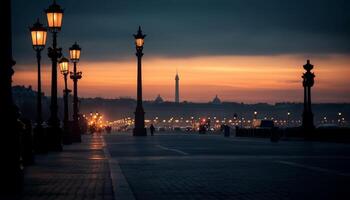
(178, 166)
(80, 172)
(193, 166)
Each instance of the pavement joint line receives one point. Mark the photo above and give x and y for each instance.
(319, 169)
(172, 149)
(227, 157)
(121, 187)
(259, 140)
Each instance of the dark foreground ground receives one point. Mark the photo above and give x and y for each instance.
(169, 166)
(214, 167)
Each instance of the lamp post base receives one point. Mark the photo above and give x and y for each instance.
(40, 139)
(139, 132)
(54, 138)
(66, 137)
(308, 121)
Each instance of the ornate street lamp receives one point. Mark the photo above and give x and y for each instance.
(308, 82)
(64, 66)
(38, 33)
(54, 16)
(139, 129)
(74, 52)
(11, 168)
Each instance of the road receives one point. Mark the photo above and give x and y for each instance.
(196, 166)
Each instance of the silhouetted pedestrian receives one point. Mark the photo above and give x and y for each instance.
(152, 129)
(227, 130)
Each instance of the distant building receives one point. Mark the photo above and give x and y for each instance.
(25, 99)
(22, 94)
(177, 92)
(216, 100)
(159, 99)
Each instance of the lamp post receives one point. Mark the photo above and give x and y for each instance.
(74, 52)
(288, 118)
(39, 33)
(11, 168)
(54, 16)
(308, 82)
(64, 67)
(139, 129)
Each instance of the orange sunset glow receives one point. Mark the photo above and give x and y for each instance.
(233, 78)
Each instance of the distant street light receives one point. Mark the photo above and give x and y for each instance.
(38, 34)
(288, 118)
(54, 16)
(255, 115)
(139, 129)
(74, 52)
(64, 66)
(340, 121)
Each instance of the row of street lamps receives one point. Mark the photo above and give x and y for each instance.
(39, 34)
(54, 16)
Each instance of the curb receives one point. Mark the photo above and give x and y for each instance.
(121, 187)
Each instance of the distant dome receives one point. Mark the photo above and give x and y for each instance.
(216, 100)
(159, 99)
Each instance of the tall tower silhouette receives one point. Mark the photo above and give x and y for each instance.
(177, 93)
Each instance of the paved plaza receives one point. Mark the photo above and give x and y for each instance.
(80, 172)
(189, 166)
(214, 167)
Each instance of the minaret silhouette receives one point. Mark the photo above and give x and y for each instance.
(177, 93)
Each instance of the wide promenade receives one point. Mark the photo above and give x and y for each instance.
(80, 172)
(179, 166)
(189, 166)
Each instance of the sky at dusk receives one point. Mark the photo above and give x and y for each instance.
(241, 50)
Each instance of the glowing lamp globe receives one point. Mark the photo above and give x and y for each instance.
(64, 65)
(139, 38)
(54, 16)
(38, 33)
(74, 52)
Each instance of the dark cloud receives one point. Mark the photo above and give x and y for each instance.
(193, 27)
